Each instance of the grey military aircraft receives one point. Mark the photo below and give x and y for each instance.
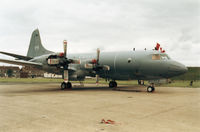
(125, 65)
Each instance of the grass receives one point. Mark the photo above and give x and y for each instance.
(29, 80)
(175, 83)
(179, 83)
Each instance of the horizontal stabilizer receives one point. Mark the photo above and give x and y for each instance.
(21, 63)
(20, 57)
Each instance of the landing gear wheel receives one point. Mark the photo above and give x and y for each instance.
(63, 85)
(150, 89)
(67, 85)
(153, 89)
(115, 84)
(112, 84)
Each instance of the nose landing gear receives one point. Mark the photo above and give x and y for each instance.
(151, 88)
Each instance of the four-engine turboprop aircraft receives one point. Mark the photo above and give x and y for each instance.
(126, 65)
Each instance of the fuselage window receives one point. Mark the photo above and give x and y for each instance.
(129, 60)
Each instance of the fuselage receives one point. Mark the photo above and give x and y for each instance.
(124, 65)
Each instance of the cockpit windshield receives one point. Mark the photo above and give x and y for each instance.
(160, 57)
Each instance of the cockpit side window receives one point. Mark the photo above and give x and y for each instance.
(156, 57)
(164, 57)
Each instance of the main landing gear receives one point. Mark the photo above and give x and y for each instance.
(151, 88)
(113, 84)
(65, 85)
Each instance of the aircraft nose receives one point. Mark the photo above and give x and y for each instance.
(178, 68)
(184, 69)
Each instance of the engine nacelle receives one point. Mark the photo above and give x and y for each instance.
(53, 61)
(58, 59)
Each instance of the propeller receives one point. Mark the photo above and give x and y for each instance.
(65, 48)
(61, 61)
(98, 67)
(97, 63)
(97, 79)
(66, 62)
(98, 54)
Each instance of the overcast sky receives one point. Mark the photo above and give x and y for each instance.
(110, 25)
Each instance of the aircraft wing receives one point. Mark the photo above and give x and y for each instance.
(22, 63)
(17, 56)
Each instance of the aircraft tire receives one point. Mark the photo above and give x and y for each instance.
(115, 84)
(150, 89)
(153, 89)
(69, 85)
(112, 84)
(63, 85)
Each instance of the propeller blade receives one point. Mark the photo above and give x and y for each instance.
(65, 48)
(106, 67)
(98, 54)
(66, 76)
(97, 79)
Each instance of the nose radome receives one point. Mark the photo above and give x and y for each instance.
(175, 68)
(182, 68)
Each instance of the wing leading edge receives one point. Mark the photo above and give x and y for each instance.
(21, 63)
(17, 56)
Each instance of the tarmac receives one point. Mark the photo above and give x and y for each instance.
(46, 108)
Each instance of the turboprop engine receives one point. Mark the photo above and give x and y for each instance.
(61, 61)
(58, 59)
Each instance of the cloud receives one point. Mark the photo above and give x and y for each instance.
(108, 24)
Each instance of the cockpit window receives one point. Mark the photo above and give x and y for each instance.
(160, 57)
(164, 57)
(156, 57)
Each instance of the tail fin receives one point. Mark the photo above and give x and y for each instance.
(35, 46)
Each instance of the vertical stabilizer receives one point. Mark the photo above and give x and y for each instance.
(35, 46)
